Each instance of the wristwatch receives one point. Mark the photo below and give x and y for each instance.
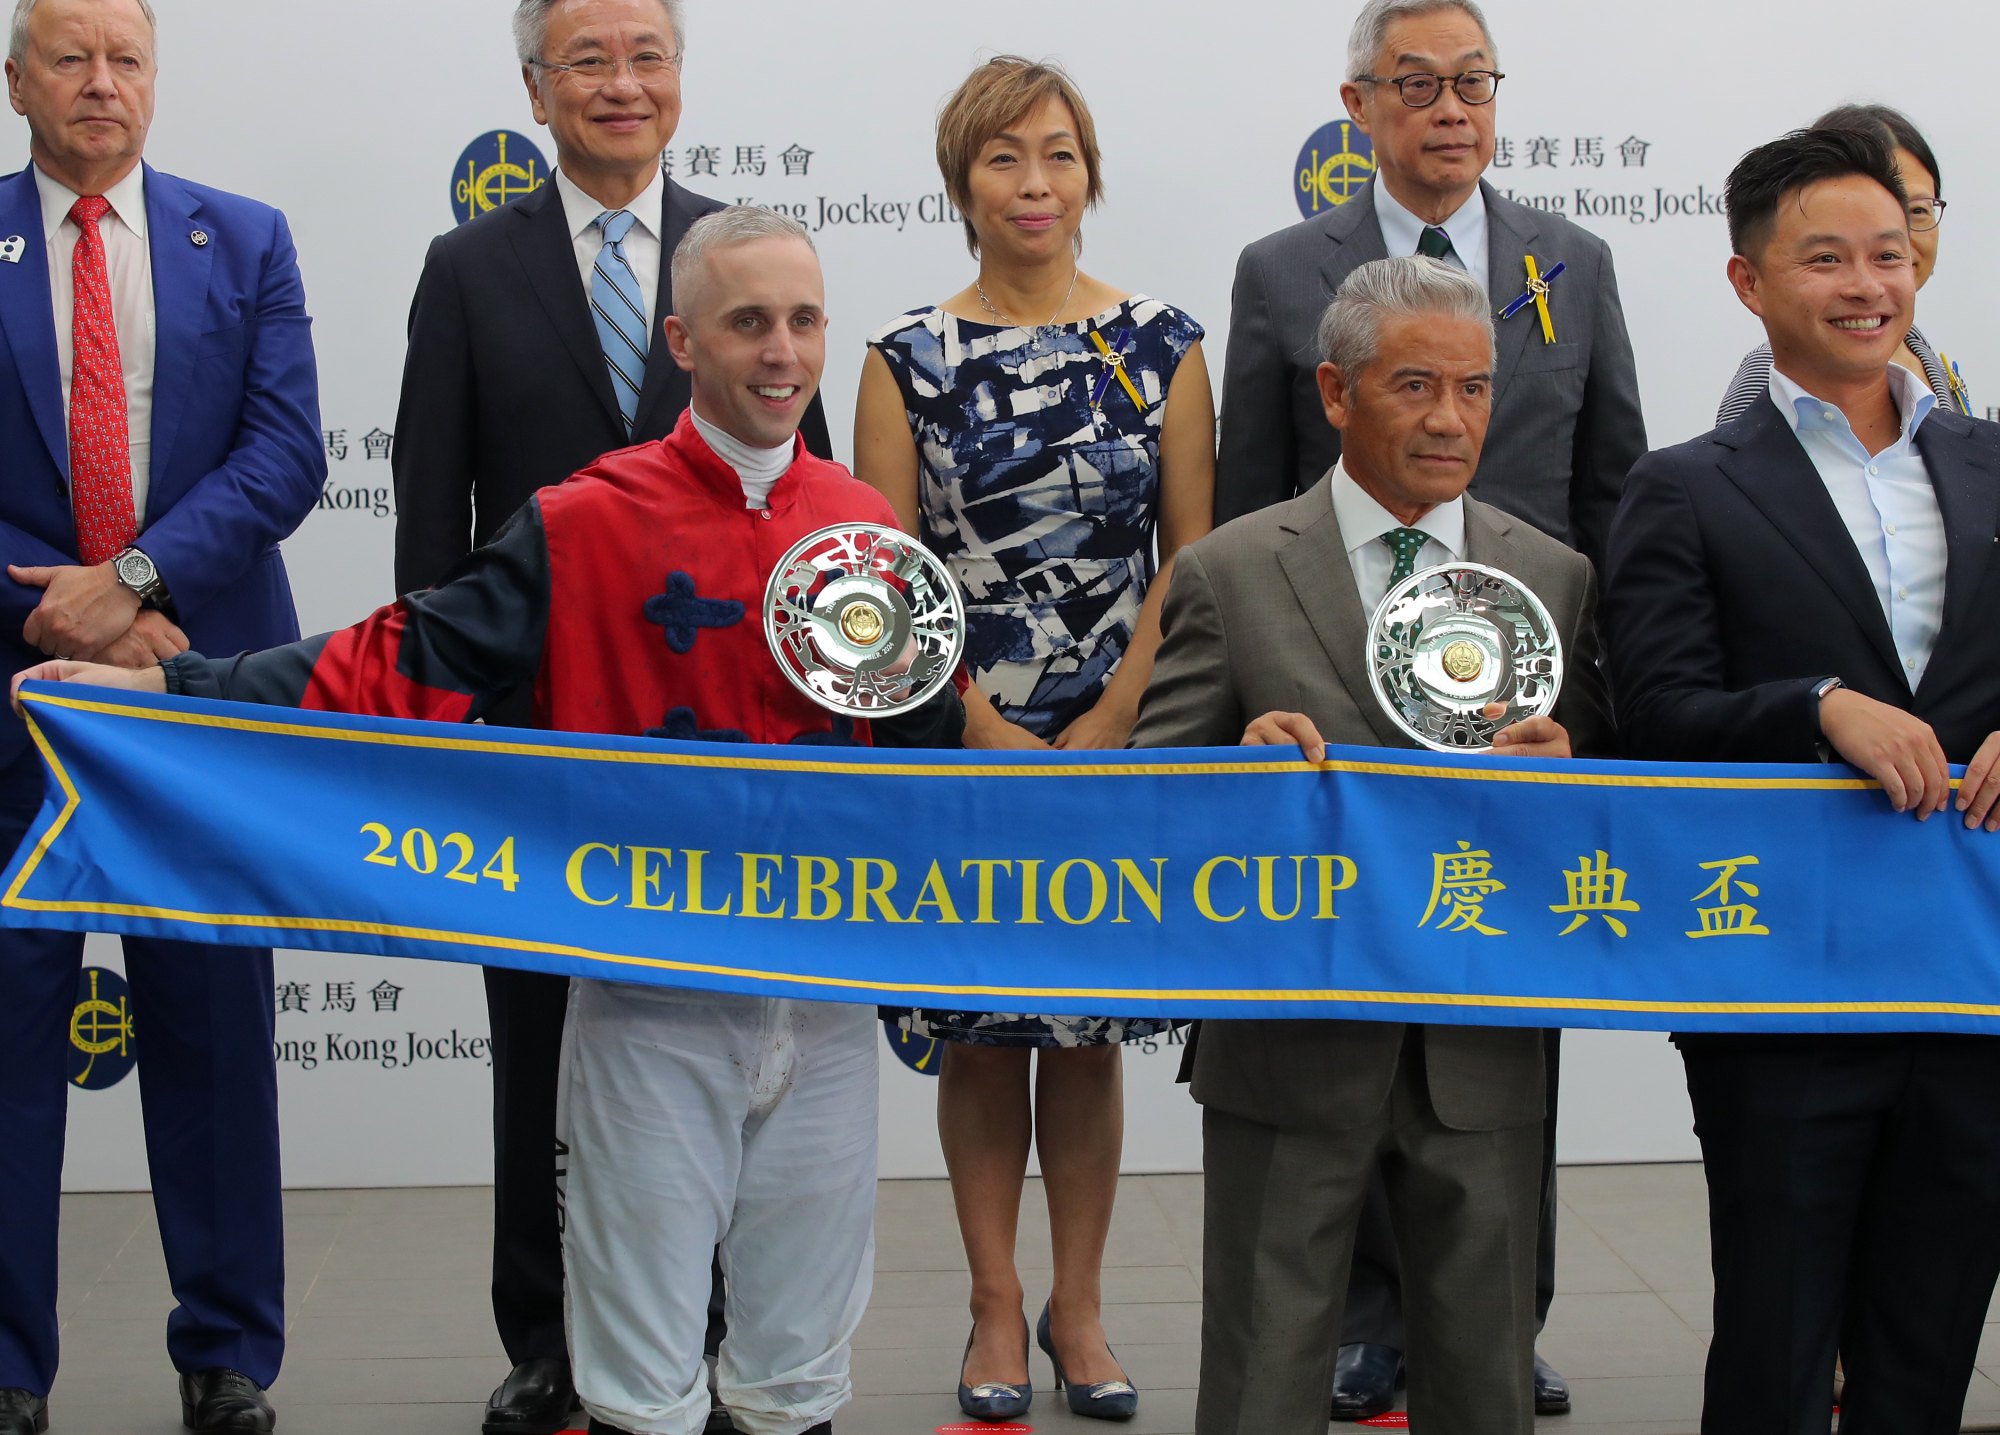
(136, 573)
(1820, 690)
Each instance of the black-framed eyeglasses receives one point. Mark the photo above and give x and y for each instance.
(1421, 90)
(1925, 214)
(594, 72)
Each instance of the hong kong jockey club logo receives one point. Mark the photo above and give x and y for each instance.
(495, 168)
(1335, 163)
(922, 1054)
(101, 1050)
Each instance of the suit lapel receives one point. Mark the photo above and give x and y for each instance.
(1768, 463)
(1315, 563)
(26, 314)
(1511, 232)
(180, 303)
(542, 242)
(1966, 478)
(679, 210)
(1355, 237)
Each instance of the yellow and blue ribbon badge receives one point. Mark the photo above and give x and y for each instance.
(1537, 293)
(1114, 367)
(1960, 395)
(1220, 882)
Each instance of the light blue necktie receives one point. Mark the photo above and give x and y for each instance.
(620, 311)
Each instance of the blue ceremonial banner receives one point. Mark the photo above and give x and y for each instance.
(1384, 885)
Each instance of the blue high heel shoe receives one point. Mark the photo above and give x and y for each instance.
(1106, 1400)
(995, 1399)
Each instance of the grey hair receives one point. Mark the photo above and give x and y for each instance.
(1371, 29)
(531, 26)
(1412, 287)
(17, 42)
(725, 229)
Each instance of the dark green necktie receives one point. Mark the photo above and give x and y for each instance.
(1405, 543)
(1434, 243)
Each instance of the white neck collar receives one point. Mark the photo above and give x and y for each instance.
(757, 468)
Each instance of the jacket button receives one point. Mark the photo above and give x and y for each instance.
(765, 514)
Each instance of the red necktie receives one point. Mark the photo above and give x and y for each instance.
(100, 446)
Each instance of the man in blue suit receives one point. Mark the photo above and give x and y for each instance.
(159, 415)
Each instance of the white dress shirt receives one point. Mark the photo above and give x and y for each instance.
(1363, 521)
(1888, 505)
(128, 264)
(642, 244)
(1466, 226)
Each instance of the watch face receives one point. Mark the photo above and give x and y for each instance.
(135, 570)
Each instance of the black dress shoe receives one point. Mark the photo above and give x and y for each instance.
(1365, 1378)
(1551, 1390)
(22, 1413)
(225, 1402)
(536, 1398)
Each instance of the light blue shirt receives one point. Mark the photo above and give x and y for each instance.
(1888, 504)
(1467, 227)
(1363, 521)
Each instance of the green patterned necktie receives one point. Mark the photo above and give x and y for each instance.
(1434, 243)
(1405, 543)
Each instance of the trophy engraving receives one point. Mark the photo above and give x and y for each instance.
(864, 620)
(1447, 642)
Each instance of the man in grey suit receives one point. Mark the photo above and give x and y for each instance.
(1422, 79)
(1265, 642)
(1422, 76)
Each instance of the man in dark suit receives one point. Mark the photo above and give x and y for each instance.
(1266, 625)
(160, 412)
(1816, 579)
(534, 347)
(1422, 79)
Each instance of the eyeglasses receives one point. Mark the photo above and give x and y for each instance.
(1420, 91)
(1925, 214)
(594, 72)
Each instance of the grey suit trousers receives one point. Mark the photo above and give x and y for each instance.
(1282, 1205)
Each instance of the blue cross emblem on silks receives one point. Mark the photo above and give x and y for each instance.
(680, 726)
(684, 614)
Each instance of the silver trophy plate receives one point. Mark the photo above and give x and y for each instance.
(864, 620)
(1449, 641)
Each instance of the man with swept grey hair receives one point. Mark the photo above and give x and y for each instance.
(534, 347)
(1299, 1115)
(690, 1119)
(1422, 77)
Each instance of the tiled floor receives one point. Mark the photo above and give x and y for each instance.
(391, 1334)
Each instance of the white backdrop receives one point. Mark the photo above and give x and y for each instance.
(353, 116)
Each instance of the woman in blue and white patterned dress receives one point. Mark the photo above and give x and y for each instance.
(1051, 437)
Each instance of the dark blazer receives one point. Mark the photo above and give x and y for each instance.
(1733, 589)
(504, 385)
(1263, 616)
(237, 455)
(1566, 420)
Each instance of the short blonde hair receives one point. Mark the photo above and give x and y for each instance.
(997, 94)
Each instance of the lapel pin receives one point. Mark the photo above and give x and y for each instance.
(12, 248)
(199, 238)
(1537, 293)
